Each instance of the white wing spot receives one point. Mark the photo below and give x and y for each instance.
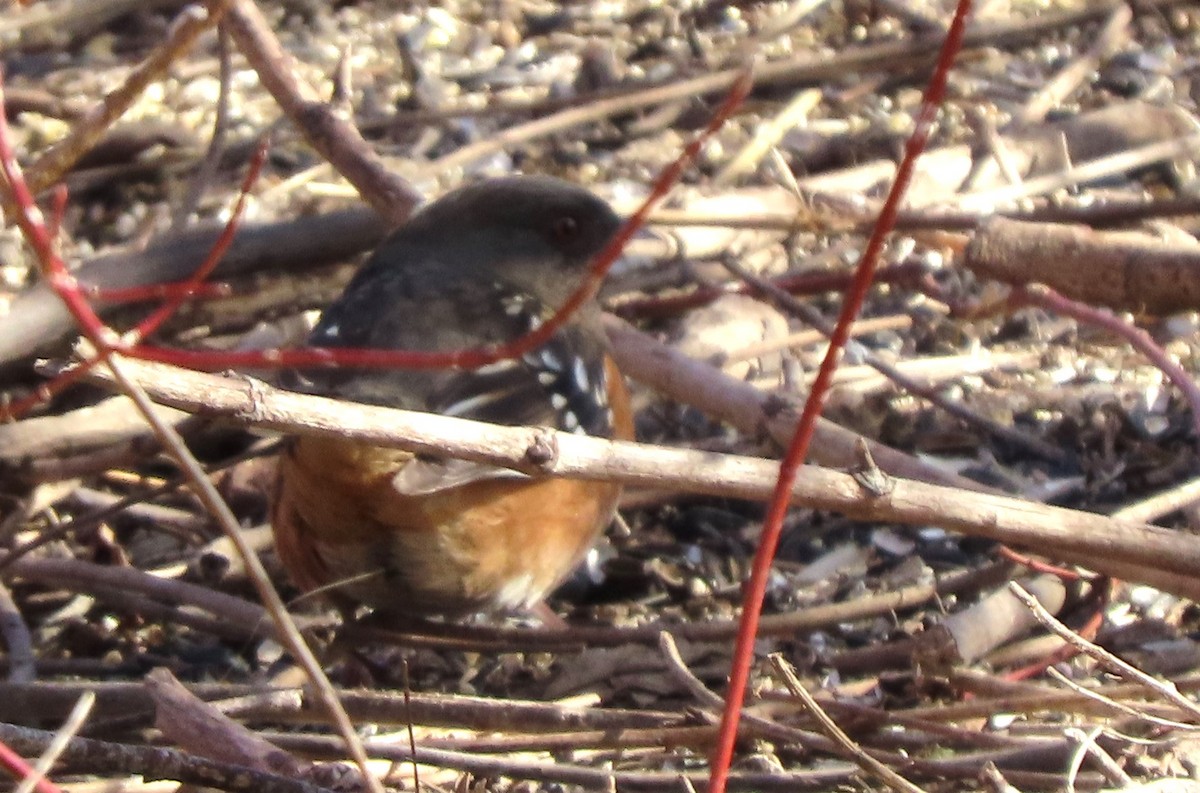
(332, 331)
(558, 401)
(496, 367)
(570, 422)
(546, 378)
(579, 370)
(513, 304)
(465, 406)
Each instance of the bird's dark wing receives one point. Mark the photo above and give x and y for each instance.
(563, 384)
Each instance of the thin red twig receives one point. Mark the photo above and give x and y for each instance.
(1064, 653)
(37, 234)
(1139, 339)
(193, 284)
(138, 294)
(798, 449)
(1037, 565)
(19, 407)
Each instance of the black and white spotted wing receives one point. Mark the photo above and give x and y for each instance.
(562, 384)
(552, 386)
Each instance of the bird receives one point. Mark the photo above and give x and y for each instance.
(423, 536)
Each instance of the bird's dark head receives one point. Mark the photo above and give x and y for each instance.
(536, 232)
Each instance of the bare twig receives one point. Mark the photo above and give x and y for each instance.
(334, 137)
(1140, 157)
(85, 131)
(1112, 35)
(47, 759)
(244, 618)
(1162, 688)
(216, 142)
(1139, 339)
(1120, 707)
(831, 729)
(104, 757)
(811, 316)
(1163, 503)
(1093, 540)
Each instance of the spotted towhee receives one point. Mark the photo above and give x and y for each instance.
(417, 535)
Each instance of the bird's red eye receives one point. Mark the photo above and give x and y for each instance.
(566, 228)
